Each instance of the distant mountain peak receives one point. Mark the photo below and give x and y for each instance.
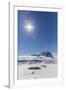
(47, 54)
(44, 53)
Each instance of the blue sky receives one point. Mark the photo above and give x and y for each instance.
(43, 36)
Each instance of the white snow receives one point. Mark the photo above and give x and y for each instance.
(50, 71)
(35, 57)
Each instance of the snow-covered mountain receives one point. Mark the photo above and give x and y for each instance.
(42, 56)
(45, 57)
(46, 54)
(35, 58)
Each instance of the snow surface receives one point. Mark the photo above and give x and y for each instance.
(48, 67)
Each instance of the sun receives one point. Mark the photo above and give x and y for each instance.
(29, 27)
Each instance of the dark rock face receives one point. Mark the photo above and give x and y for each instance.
(35, 61)
(34, 68)
(43, 66)
(47, 54)
(36, 55)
